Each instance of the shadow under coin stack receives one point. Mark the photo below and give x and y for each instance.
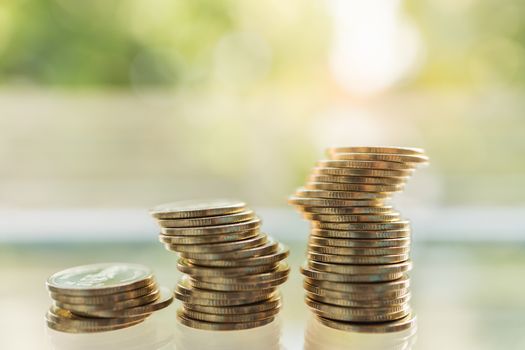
(103, 297)
(358, 250)
(232, 268)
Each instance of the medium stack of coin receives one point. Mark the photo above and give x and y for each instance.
(103, 297)
(358, 250)
(232, 270)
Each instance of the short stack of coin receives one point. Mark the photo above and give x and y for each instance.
(358, 250)
(232, 270)
(103, 297)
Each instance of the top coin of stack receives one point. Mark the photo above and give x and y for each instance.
(103, 297)
(233, 269)
(358, 250)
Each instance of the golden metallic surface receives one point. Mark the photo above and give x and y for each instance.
(220, 318)
(104, 299)
(334, 194)
(330, 186)
(281, 254)
(331, 203)
(361, 288)
(66, 318)
(357, 179)
(363, 164)
(341, 277)
(269, 247)
(361, 269)
(369, 303)
(92, 329)
(219, 247)
(376, 149)
(385, 327)
(358, 259)
(197, 208)
(327, 170)
(359, 295)
(184, 287)
(119, 305)
(362, 243)
(350, 210)
(357, 250)
(387, 217)
(398, 158)
(371, 235)
(212, 230)
(264, 305)
(362, 226)
(186, 267)
(189, 299)
(283, 270)
(208, 221)
(217, 238)
(233, 287)
(220, 326)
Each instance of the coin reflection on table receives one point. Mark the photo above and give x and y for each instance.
(321, 337)
(266, 337)
(152, 334)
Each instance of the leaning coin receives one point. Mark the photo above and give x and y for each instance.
(356, 295)
(261, 306)
(331, 186)
(269, 247)
(370, 180)
(184, 287)
(197, 208)
(396, 326)
(208, 221)
(363, 288)
(387, 209)
(331, 203)
(283, 270)
(244, 286)
(362, 226)
(338, 277)
(383, 314)
(92, 329)
(376, 149)
(361, 269)
(357, 250)
(104, 299)
(227, 237)
(399, 158)
(66, 318)
(344, 195)
(186, 267)
(219, 247)
(363, 164)
(220, 326)
(326, 170)
(371, 303)
(373, 234)
(358, 259)
(272, 258)
(100, 279)
(389, 217)
(190, 299)
(211, 230)
(363, 243)
(257, 316)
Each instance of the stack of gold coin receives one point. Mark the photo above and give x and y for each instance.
(232, 270)
(103, 297)
(358, 250)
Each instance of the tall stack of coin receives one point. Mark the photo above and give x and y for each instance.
(358, 250)
(103, 297)
(232, 268)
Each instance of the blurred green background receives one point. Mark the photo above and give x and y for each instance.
(108, 107)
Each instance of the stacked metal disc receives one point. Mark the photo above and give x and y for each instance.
(232, 268)
(358, 250)
(103, 297)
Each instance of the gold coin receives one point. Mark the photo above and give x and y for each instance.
(361, 269)
(375, 149)
(362, 226)
(340, 313)
(264, 305)
(184, 266)
(104, 299)
(208, 221)
(357, 296)
(66, 318)
(363, 164)
(331, 203)
(358, 179)
(327, 186)
(361, 288)
(184, 287)
(387, 209)
(271, 246)
(342, 251)
(211, 326)
(89, 309)
(100, 279)
(272, 258)
(326, 170)
(387, 327)
(238, 286)
(317, 193)
(218, 247)
(220, 238)
(398, 158)
(358, 259)
(379, 303)
(371, 235)
(190, 299)
(212, 230)
(202, 316)
(197, 208)
(283, 270)
(362, 243)
(339, 277)
(93, 329)
(353, 218)
(164, 300)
